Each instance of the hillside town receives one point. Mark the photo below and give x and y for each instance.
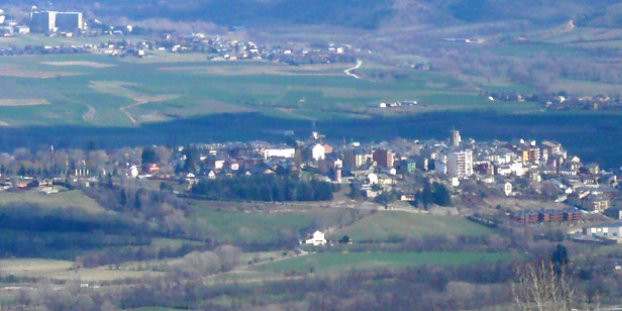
(131, 41)
(420, 174)
(560, 101)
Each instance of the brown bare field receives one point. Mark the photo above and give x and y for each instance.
(78, 63)
(36, 74)
(120, 88)
(237, 70)
(144, 115)
(5, 102)
(89, 115)
(63, 270)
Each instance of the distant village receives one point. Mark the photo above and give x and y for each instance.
(120, 43)
(560, 101)
(419, 173)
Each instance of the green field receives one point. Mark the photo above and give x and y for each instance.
(326, 262)
(259, 227)
(154, 309)
(383, 226)
(63, 270)
(66, 199)
(105, 91)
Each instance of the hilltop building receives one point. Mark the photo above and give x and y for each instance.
(318, 152)
(43, 22)
(284, 152)
(69, 21)
(612, 231)
(53, 21)
(456, 139)
(383, 158)
(317, 239)
(460, 163)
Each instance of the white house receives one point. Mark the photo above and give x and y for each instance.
(611, 231)
(440, 166)
(234, 166)
(507, 189)
(318, 239)
(133, 171)
(372, 178)
(279, 153)
(318, 152)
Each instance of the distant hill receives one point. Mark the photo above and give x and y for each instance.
(366, 14)
(609, 17)
(347, 13)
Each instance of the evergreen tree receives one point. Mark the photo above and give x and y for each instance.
(149, 156)
(441, 195)
(122, 198)
(137, 202)
(427, 197)
(559, 257)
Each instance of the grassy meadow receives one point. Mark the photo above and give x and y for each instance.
(383, 226)
(262, 227)
(339, 262)
(65, 199)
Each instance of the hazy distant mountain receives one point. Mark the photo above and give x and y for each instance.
(361, 13)
(348, 13)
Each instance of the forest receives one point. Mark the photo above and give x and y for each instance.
(268, 188)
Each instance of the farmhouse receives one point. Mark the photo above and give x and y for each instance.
(283, 152)
(318, 152)
(548, 215)
(612, 231)
(317, 239)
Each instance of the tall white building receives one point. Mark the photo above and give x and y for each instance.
(43, 21)
(460, 163)
(279, 153)
(318, 152)
(456, 139)
(53, 21)
(69, 21)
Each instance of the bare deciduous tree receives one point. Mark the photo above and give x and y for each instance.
(540, 286)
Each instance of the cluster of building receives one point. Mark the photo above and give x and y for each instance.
(57, 22)
(216, 48)
(45, 22)
(561, 102)
(500, 165)
(398, 104)
(548, 215)
(10, 27)
(519, 168)
(569, 102)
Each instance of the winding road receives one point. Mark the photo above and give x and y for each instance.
(348, 71)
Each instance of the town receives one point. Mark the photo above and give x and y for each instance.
(310, 155)
(458, 174)
(131, 41)
(561, 101)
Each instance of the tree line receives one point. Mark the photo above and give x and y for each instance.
(267, 188)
